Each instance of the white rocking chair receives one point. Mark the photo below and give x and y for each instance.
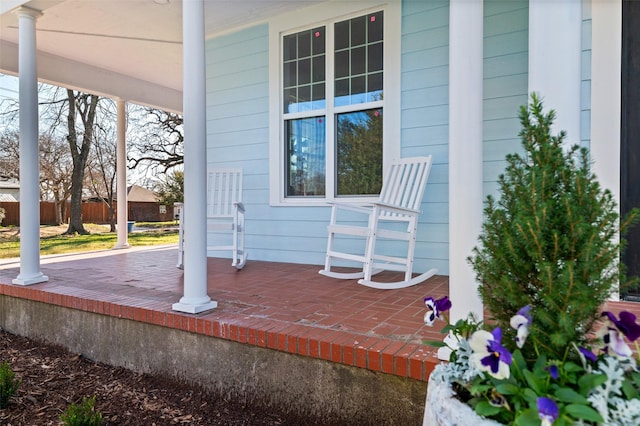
(225, 214)
(398, 205)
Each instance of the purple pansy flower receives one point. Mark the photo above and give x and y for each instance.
(436, 307)
(612, 334)
(588, 354)
(521, 322)
(554, 372)
(488, 353)
(547, 411)
(626, 325)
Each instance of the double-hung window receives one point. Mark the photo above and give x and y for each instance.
(332, 105)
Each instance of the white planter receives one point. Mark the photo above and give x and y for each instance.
(443, 409)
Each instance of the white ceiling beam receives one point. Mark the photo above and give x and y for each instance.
(75, 75)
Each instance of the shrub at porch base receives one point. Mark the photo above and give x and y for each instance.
(547, 262)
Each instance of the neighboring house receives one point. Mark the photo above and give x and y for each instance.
(144, 207)
(9, 190)
(301, 94)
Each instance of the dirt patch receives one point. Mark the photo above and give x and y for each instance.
(52, 378)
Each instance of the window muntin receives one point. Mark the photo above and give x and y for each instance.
(346, 160)
(304, 70)
(358, 47)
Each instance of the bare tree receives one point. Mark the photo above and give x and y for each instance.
(83, 106)
(56, 169)
(9, 154)
(101, 164)
(156, 140)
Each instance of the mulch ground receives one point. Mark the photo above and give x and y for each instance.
(53, 378)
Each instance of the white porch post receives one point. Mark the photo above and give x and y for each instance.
(606, 53)
(606, 68)
(555, 29)
(465, 152)
(29, 158)
(195, 297)
(121, 176)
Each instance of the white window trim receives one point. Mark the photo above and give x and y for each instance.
(323, 14)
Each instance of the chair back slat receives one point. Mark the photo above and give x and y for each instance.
(405, 182)
(224, 187)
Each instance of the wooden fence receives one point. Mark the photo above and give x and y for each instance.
(92, 212)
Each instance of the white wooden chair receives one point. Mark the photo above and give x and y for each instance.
(225, 215)
(393, 217)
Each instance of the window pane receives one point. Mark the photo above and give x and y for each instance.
(342, 89)
(341, 35)
(342, 64)
(359, 53)
(289, 47)
(375, 27)
(358, 31)
(290, 100)
(317, 42)
(300, 68)
(317, 94)
(290, 74)
(374, 83)
(304, 44)
(304, 71)
(359, 153)
(304, 96)
(318, 69)
(358, 61)
(305, 157)
(374, 57)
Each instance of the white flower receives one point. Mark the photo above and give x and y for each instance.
(521, 322)
(488, 353)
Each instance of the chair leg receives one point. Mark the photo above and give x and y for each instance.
(370, 246)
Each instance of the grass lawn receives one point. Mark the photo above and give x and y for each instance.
(53, 242)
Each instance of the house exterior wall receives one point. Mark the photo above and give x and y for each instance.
(238, 122)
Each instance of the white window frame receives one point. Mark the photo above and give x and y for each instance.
(326, 14)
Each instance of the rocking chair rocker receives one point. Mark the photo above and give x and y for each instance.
(398, 205)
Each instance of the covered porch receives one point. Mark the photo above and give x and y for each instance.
(281, 331)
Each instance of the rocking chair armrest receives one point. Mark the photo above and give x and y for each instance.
(239, 205)
(359, 208)
(396, 209)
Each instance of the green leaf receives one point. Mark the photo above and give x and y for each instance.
(583, 412)
(629, 389)
(507, 389)
(570, 396)
(572, 367)
(528, 417)
(534, 382)
(485, 409)
(530, 396)
(590, 381)
(434, 343)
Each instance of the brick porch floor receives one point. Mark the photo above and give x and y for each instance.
(281, 306)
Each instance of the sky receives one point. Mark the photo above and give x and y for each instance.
(8, 87)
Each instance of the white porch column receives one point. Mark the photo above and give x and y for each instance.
(606, 53)
(555, 31)
(121, 176)
(195, 297)
(606, 68)
(29, 158)
(465, 152)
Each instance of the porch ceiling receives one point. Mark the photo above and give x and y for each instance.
(129, 49)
